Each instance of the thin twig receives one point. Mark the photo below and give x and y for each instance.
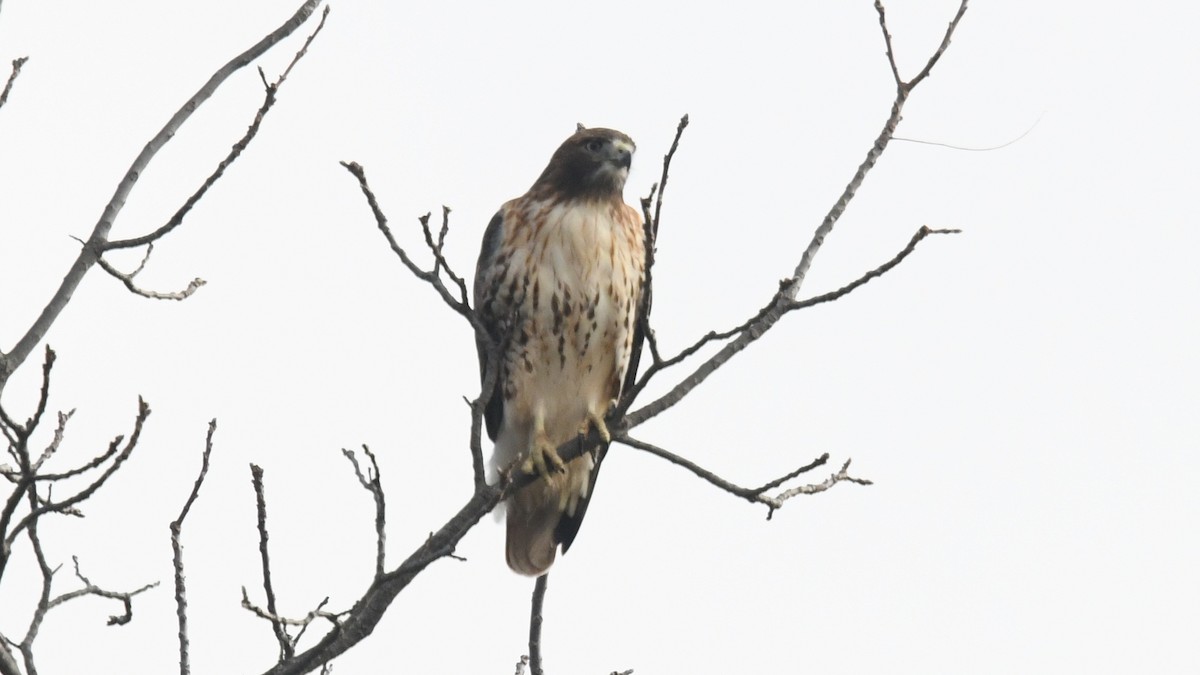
(272, 90)
(126, 598)
(371, 483)
(461, 304)
(18, 437)
(281, 635)
(119, 458)
(779, 305)
(632, 386)
(937, 55)
(491, 373)
(841, 475)
(276, 619)
(754, 495)
(666, 168)
(177, 551)
(127, 280)
(435, 247)
(12, 77)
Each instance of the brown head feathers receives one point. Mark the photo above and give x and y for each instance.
(592, 164)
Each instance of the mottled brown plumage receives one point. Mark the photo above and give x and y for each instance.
(558, 283)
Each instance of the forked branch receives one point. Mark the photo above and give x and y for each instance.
(33, 492)
(98, 241)
(784, 300)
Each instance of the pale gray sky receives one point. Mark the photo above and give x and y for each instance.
(1024, 394)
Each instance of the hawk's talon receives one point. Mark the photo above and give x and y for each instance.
(543, 459)
(601, 427)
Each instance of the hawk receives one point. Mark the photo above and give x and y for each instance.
(558, 286)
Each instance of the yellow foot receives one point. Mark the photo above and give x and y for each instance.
(543, 458)
(597, 421)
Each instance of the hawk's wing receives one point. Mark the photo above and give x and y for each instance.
(487, 276)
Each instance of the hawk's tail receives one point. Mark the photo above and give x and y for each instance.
(538, 513)
(531, 545)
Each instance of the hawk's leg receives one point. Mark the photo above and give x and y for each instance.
(543, 456)
(595, 418)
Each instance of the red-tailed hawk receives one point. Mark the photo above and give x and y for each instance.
(558, 284)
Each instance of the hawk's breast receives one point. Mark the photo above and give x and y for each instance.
(575, 274)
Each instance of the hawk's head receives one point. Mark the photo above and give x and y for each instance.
(591, 164)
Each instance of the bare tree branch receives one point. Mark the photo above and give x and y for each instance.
(632, 385)
(778, 303)
(272, 90)
(98, 241)
(46, 603)
(127, 280)
(318, 613)
(937, 55)
(126, 598)
(535, 624)
(370, 482)
(18, 435)
(358, 623)
(754, 495)
(439, 260)
(177, 551)
(812, 489)
(784, 300)
(461, 304)
(285, 644)
(26, 478)
(43, 605)
(119, 458)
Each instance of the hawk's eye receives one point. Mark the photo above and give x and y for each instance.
(594, 145)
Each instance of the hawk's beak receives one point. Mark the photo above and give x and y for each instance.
(622, 154)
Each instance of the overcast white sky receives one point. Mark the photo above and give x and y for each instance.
(1024, 394)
